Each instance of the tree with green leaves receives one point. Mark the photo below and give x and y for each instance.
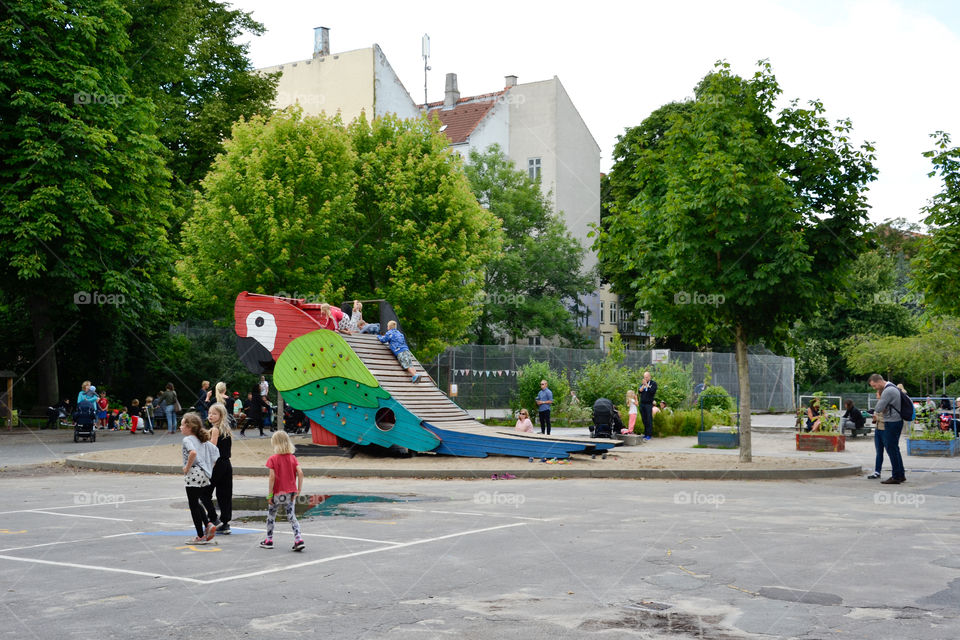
(920, 360)
(188, 58)
(534, 282)
(867, 301)
(84, 191)
(731, 221)
(938, 260)
(308, 207)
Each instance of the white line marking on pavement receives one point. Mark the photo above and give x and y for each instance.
(255, 574)
(50, 544)
(92, 504)
(476, 513)
(79, 515)
(96, 568)
(326, 535)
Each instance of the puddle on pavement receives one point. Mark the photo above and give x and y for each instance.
(254, 508)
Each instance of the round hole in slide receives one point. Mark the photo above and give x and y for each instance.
(385, 419)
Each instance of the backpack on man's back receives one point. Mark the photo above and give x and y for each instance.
(906, 411)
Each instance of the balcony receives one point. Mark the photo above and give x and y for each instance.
(633, 328)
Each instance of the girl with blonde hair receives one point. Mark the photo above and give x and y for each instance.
(222, 479)
(285, 484)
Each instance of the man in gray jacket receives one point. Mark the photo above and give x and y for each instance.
(888, 407)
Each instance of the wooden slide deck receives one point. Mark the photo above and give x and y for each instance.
(458, 432)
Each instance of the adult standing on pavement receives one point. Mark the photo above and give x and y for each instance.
(648, 392)
(203, 399)
(221, 480)
(888, 408)
(544, 403)
(170, 402)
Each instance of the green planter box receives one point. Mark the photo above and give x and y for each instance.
(718, 438)
(821, 442)
(942, 448)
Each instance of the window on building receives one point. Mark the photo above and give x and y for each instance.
(533, 341)
(533, 168)
(601, 312)
(614, 318)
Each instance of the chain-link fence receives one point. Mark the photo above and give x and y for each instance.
(487, 375)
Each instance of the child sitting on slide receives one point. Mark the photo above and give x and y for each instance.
(398, 345)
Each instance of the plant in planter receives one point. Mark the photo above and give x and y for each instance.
(933, 442)
(828, 437)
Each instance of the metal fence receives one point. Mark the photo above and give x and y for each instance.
(487, 375)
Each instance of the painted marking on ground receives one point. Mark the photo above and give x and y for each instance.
(195, 548)
(80, 515)
(477, 513)
(327, 535)
(92, 504)
(73, 565)
(52, 544)
(309, 563)
(12, 532)
(254, 574)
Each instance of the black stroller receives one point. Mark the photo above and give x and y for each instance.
(84, 421)
(606, 419)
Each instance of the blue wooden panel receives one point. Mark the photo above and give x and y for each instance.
(457, 443)
(946, 448)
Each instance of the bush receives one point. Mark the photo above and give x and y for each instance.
(684, 423)
(674, 383)
(528, 386)
(716, 397)
(605, 380)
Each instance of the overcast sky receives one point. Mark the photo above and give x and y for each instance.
(889, 66)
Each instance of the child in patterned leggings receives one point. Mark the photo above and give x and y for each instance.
(286, 483)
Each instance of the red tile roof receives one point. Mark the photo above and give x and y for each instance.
(463, 118)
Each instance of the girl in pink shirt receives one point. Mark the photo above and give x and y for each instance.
(286, 483)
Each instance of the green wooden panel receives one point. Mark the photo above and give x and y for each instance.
(317, 355)
(328, 390)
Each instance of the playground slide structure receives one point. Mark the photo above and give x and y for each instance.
(353, 387)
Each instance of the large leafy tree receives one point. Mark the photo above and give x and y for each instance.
(535, 281)
(738, 219)
(306, 206)
(83, 186)
(921, 360)
(868, 301)
(187, 58)
(938, 260)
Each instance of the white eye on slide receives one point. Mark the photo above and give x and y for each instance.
(262, 327)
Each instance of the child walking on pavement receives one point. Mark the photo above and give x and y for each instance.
(199, 456)
(398, 345)
(285, 484)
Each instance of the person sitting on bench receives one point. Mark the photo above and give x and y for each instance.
(852, 418)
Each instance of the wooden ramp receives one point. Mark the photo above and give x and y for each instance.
(459, 433)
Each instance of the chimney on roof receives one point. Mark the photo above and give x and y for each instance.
(510, 81)
(321, 41)
(451, 94)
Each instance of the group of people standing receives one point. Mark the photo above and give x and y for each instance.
(641, 402)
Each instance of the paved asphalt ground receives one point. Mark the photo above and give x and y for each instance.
(103, 555)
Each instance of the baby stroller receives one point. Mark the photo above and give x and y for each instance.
(606, 419)
(84, 421)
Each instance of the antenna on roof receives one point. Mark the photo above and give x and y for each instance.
(425, 49)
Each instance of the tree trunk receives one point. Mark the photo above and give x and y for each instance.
(48, 388)
(743, 374)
